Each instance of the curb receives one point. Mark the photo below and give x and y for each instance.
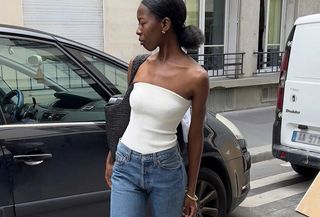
(261, 153)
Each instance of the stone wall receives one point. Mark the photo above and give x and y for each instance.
(120, 24)
(11, 12)
(307, 7)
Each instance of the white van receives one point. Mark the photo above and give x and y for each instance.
(296, 130)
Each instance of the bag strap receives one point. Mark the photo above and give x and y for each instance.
(137, 61)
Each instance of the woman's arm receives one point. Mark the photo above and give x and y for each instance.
(195, 137)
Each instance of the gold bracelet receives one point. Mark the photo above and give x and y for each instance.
(195, 198)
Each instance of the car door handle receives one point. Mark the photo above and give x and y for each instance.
(32, 159)
(302, 127)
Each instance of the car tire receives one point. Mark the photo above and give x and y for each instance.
(304, 171)
(211, 193)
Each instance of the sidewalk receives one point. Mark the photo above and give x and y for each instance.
(260, 153)
(256, 126)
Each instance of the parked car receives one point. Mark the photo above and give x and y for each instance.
(52, 132)
(296, 130)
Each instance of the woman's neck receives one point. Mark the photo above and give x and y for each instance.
(170, 49)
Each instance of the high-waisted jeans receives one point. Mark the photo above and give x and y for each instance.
(158, 177)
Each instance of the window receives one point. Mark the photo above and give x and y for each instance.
(269, 57)
(214, 22)
(116, 76)
(211, 20)
(209, 15)
(274, 25)
(40, 84)
(192, 19)
(274, 31)
(214, 33)
(192, 12)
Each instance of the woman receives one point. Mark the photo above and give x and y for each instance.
(148, 165)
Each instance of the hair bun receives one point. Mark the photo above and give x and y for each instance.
(190, 37)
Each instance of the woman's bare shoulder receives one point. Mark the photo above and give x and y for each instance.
(197, 78)
(196, 71)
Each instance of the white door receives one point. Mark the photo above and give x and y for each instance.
(80, 20)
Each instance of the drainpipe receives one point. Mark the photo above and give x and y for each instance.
(238, 26)
(238, 33)
(296, 9)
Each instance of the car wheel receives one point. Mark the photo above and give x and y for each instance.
(211, 193)
(305, 171)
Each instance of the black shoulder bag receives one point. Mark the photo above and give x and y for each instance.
(118, 114)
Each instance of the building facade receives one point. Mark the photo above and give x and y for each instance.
(242, 50)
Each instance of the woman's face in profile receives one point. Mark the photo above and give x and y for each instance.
(149, 28)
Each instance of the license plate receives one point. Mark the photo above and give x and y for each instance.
(307, 138)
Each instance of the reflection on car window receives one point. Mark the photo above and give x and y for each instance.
(53, 87)
(114, 74)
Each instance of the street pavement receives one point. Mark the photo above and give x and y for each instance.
(275, 191)
(256, 126)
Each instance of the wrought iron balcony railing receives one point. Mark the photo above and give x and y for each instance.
(229, 65)
(268, 62)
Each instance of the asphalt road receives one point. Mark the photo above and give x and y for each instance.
(256, 127)
(255, 124)
(276, 190)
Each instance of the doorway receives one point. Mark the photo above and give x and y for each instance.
(270, 19)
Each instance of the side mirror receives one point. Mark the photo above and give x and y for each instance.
(35, 60)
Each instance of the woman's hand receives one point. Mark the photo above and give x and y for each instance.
(189, 207)
(108, 171)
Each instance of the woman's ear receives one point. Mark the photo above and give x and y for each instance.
(166, 24)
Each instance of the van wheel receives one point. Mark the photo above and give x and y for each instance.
(211, 193)
(305, 171)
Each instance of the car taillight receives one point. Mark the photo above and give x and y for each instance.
(282, 79)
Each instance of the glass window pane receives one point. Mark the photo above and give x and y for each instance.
(214, 22)
(55, 89)
(192, 12)
(214, 58)
(273, 56)
(274, 21)
(114, 74)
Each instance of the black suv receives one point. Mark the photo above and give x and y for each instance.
(52, 132)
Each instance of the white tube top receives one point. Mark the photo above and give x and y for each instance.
(155, 115)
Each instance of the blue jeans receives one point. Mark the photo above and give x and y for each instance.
(158, 178)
